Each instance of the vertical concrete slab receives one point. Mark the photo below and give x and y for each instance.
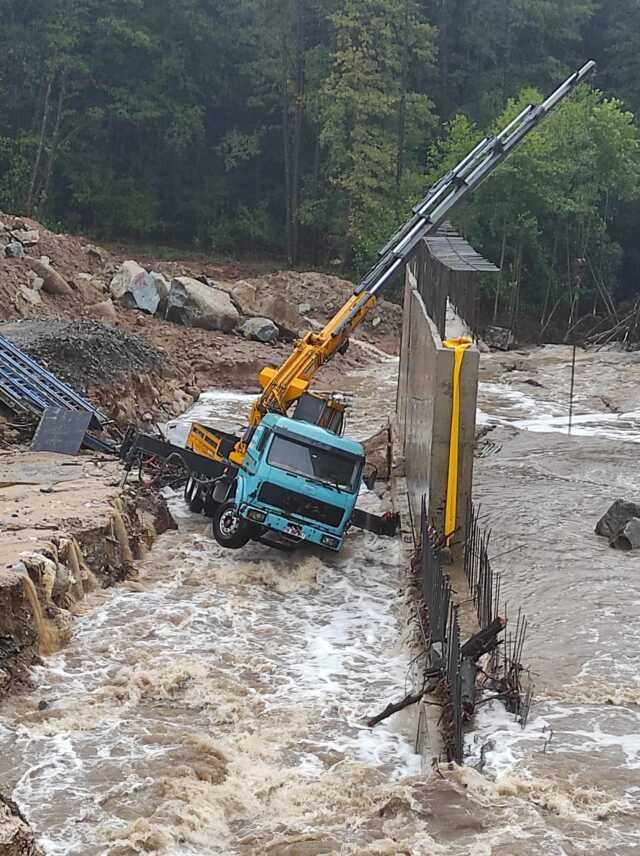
(425, 402)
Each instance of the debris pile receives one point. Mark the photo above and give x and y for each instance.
(84, 353)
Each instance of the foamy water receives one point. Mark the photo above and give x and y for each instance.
(217, 705)
(273, 661)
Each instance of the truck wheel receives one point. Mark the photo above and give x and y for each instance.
(229, 529)
(193, 496)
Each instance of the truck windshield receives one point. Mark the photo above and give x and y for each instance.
(335, 468)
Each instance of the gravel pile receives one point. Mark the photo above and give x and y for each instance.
(84, 354)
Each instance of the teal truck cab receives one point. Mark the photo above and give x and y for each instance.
(299, 483)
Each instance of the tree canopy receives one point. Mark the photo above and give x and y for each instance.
(306, 129)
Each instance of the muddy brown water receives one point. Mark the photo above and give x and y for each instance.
(215, 705)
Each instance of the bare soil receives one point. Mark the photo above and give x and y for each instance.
(140, 368)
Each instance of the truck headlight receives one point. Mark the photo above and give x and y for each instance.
(328, 541)
(257, 516)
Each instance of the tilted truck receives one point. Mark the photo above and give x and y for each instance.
(292, 477)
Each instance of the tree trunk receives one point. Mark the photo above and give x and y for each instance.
(496, 304)
(402, 106)
(43, 132)
(316, 188)
(444, 59)
(53, 146)
(297, 132)
(286, 145)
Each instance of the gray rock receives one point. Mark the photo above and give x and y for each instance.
(30, 295)
(162, 284)
(304, 308)
(629, 538)
(35, 282)
(14, 250)
(616, 518)
(377, 321)
(194, 304)
(499, 338)
(621, 525)
(27, 237)
(256, 302)
(206, 280)
(16, 837)
(97, 253)
(134, 288)
(260, 330)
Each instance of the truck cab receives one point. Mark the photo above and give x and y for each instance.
(299, 482)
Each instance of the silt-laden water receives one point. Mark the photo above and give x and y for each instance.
(216, 704)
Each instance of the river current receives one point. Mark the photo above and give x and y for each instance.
(216, 703)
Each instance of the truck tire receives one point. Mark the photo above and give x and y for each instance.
(193, 496)
(229, 529)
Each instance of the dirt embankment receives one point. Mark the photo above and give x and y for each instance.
(139, 367)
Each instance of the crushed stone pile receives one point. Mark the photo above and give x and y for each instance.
(84, 353)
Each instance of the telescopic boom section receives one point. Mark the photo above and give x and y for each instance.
(283, 386)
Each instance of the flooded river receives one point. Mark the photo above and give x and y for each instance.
(216, 704)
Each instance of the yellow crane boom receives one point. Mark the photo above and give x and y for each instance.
(283, 386)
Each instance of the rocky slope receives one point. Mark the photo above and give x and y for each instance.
(140, 366)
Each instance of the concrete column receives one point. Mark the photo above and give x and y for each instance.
(424, 415)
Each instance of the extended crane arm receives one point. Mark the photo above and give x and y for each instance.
(283, 386)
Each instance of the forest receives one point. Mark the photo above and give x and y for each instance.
(304, 131)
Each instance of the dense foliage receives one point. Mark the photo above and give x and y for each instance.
(307, 128)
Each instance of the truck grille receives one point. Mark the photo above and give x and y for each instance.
(299, 505)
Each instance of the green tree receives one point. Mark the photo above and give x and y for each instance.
(372, 116)
(548, 211)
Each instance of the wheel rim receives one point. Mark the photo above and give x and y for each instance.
(229, 523)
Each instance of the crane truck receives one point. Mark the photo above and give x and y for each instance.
(292, 476)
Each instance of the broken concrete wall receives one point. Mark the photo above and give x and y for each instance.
(424, 409)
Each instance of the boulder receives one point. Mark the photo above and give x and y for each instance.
(14, 250)
(16, 838)
(304, 308)
(260, 330)
(52, 281)
(35, 282)
(629, 538)
(104, 310)
(27, 237)
(257, 302)
(30, 295)
(134, 288)
(621, 525)
(162, 284)
(87, 289)
(499, 338)
(194, 304)
(97, 253)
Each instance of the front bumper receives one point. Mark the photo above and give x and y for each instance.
(294, 530)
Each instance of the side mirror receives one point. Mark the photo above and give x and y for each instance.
(370, 476)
